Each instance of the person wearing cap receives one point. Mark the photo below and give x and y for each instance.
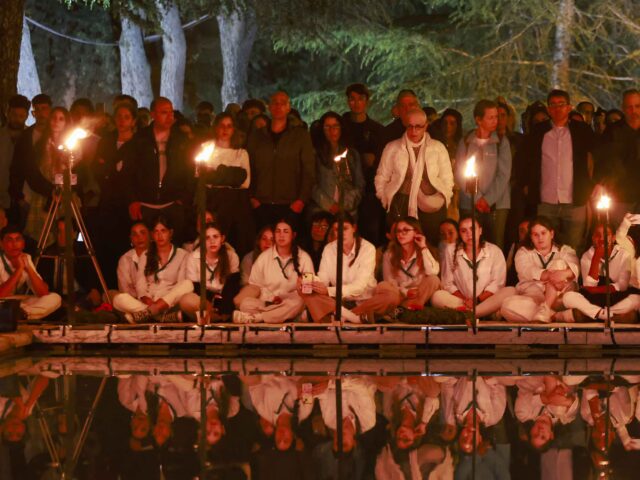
(17, 113)
(414, 177)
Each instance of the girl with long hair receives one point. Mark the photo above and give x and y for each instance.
(271, 295)
(457, 274)
(546, 271)
(40, 171)
(591, 300)
(264, 241)
(128, 264)
(358, 280)
(330, 142)
(409, 271)
(161, 281)
(223, 277)
(230, 204)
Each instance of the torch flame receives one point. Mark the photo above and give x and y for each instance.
(604, 203)
(470, 168)
(206, 152)
(341, 156)
(71, 141)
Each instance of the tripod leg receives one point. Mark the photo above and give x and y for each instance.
(46, 230)
(92, 254)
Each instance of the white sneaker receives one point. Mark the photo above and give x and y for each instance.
(138, 317)
(349, 316)
(543, 314)
(242, 317)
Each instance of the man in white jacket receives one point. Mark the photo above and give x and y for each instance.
(414, 177)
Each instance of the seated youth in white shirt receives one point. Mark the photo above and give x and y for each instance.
(544, 402)
(222, 277)
(128, 263)
(409, 270)
(264, 241)
(591, 300)
(457, 274)
(358, 281)
(546, 271)
(18, 277)
(271, 295)
(161, 280)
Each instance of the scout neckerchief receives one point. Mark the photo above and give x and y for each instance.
(22, 289)
(173, 254)
(284, 267)
(284, 405)
(542, 262)
(212, 272)
(407, 271)
(469, 262)
(601, 266)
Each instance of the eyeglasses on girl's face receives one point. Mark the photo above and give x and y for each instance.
(404, 230)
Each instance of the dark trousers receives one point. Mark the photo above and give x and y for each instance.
(232, 210)
(270, 213)
(371, 219)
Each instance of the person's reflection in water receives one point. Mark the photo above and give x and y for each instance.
(544, 402)
(414, 451)
(609, 406)
(16, 405)
(281, 454)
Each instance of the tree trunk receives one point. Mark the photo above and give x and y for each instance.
(237, 34)
(174, 47)
(135, 73)
(562, 51)
(11, 15)
(28, 79)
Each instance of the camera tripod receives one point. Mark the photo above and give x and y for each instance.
(52, 216)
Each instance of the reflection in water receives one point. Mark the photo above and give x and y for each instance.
(239, 426)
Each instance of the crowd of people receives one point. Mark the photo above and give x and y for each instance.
(392, 427)
(277, 189)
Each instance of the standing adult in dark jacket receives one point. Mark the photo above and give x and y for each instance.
(618, 158)
(159, 170)
(559, 180)
(363, 134)
(406, 101)
(24, 150)
(282, 165)
(108, 170)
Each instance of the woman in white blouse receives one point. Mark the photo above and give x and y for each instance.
(358, 281)
(161, 280)
(591, 300)
(128, 263)
(457, 274)
(545, 272)
(222, 277)
(231, 206)
(409, 270)
(271, 295)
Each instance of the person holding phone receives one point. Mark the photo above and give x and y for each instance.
(271, 295)
(358, 280)
(409, 270)
(457, 274)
